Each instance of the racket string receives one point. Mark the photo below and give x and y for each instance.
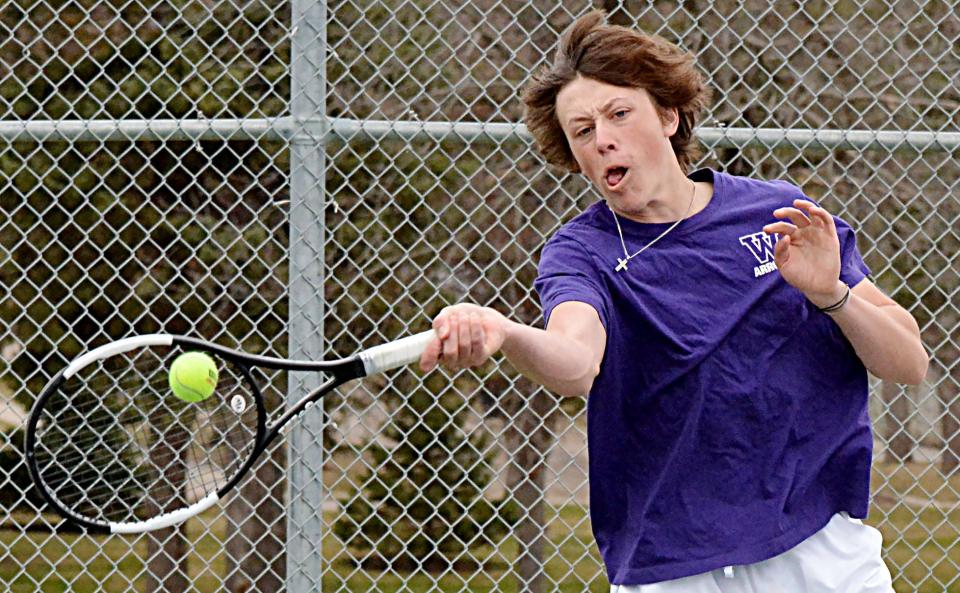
(97, 435)
(174, 446)
(94, 471)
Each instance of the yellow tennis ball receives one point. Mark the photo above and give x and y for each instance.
(193, 376)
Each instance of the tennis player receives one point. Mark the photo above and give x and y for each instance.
(722, 326)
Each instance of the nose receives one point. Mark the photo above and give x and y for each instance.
(604, 137)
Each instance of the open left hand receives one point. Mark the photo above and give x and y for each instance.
(808, 252)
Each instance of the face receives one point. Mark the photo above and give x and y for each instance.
(618, 139)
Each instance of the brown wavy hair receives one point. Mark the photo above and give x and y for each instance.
(622, 57)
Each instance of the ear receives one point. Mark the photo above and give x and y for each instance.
(670, 121)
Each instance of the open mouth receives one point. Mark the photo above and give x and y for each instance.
(614, 176)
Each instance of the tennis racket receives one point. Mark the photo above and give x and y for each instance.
(113, 450)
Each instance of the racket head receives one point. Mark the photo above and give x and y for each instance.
(112, 449)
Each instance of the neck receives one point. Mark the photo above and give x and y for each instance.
(674, 199)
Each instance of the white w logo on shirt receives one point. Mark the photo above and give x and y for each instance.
(761, 245)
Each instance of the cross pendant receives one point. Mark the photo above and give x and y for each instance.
(623, 264)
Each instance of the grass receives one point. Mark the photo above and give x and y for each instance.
(81, 563)
(922, 549)
(918, 512)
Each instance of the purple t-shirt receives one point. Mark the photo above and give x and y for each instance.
(729, 419)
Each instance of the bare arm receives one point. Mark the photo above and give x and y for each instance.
(564, 358)
(884, 334)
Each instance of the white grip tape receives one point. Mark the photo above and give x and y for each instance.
(114, 348)
(395, 354)
(167, 519)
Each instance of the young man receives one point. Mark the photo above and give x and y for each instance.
(722, 327)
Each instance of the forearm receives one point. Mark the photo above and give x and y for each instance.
(562, 364)
(886, 338)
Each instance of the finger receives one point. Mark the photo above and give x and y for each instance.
(441, 325)
(478, 336)
(818, 216)
(781, 252)
(797, 217)
(782, 228)
(451, 343)
(810, 210)
(465, 339)
(431, 354)
(825, 218)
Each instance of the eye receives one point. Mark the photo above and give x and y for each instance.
(620, 113)
(583, 131)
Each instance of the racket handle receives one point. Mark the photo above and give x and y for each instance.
(395, 354)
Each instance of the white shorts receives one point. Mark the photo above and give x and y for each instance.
(843, 557)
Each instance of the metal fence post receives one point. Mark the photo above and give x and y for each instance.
(305, 453)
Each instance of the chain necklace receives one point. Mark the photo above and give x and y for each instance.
(622, 265)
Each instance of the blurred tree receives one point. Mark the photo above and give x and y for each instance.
(420, 504)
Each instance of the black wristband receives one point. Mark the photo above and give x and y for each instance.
(837, 305)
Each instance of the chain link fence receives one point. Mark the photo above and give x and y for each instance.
(303, 179)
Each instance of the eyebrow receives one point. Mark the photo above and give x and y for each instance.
(605, 107)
